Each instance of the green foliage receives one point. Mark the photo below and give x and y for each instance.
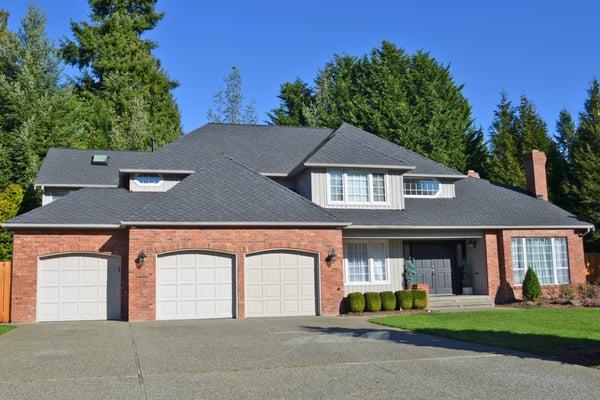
(228, 102)
(372, 301)
(10, 202)
(388, 301)
(404, 299)
(356, 302)
(477, 151)
(532, 290)
(583, 187)
(411, 100)
(126, 94)
(419, 299)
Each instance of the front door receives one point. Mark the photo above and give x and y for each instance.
(434, 262)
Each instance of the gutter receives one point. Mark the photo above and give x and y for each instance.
(367, 166)
(588, 227)
(233, 223)
(10, 225)
(156, 171)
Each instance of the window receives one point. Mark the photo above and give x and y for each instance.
(421, 187)
(366, 263)
(546, 256)
(148, 180)
(353, 187)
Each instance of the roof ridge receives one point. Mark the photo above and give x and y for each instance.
(314, 151)
(269, 125)
(112, 151)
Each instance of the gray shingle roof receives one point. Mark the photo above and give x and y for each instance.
(74, 167)
(402, 155)
(224, 191)
(88, 206)
(478, 203)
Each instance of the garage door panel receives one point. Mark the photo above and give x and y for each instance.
(280, 283)
(75, 287)
(194, 284)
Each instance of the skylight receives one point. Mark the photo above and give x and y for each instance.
(100, 159)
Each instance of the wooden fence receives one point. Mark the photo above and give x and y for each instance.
(592, 264)
(5, 291)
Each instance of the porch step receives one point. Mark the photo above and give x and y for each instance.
(454, 302)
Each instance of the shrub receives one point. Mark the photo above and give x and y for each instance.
(404, 299)
(590, 303)
(388, 301)
(587, 291)
(419, 299)
(372, 301)
(566, 292)
(356, 302)
(532, 290)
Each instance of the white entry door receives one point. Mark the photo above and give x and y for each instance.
(78, 287)
(280, 283)
(194, 285)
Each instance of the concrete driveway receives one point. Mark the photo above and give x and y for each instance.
(284, 358)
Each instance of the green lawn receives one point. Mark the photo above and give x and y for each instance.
(5, 328)
(543, 331)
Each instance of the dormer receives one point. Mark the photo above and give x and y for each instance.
(153, 180)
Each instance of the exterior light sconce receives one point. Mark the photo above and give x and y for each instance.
(472, 244)
(331, 257)
(139, 261)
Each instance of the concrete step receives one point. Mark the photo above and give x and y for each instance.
(459, 302)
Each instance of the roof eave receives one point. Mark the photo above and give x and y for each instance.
(75, 185)
(414, 227)
(233, 223)
(10, 225)
(367, 166)
(155, 171)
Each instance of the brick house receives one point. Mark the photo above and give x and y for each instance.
(235, 221)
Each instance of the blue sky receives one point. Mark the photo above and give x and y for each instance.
(548, 50)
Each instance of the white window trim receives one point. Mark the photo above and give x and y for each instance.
(522, 243)
(160, 182)
(422, 196)
(372, 281)
(370, 201)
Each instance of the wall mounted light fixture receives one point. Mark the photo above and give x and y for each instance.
(139, 261)
(331, 257)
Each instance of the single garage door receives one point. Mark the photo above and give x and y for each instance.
(78, 287)
(194, 285)
(280, 283)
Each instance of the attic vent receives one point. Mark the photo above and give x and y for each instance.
(99, 159)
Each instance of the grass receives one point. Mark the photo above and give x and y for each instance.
(5, 328)
(542, 331)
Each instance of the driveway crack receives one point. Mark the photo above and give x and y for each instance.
(137, 364)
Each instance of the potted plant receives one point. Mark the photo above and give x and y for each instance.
(467, 279)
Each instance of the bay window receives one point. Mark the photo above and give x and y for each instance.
(545, 255)
(353, 187)
(365, 262)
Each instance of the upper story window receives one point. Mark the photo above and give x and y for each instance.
(357, 187)
(148, 180)
(547, 256)
(421, 187)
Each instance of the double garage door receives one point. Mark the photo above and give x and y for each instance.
(78, 287)
(198, 284)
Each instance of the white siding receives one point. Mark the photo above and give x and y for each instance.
(168, 181)
(394, 192)
(395, 267)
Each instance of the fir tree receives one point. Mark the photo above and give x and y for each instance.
(505, 160)
(295, 97)
(228, 102)
(122, 84)
(477, 151)
(565, 134)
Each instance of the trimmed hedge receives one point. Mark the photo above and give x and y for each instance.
(356, 302)
(419, 299)
(373, 301)
(388, 301)
(532, 290)
(404, 299)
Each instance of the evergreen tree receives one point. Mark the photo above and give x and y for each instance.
(36, 110)
(505, 160)
(411, 100)
(531, 129)
(228, 102)
(477, 151)
(295, 98)
(122, 84)
(584, 185)
(565, 134)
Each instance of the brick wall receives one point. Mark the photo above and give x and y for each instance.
(30, 245)
(501, 285)
(142, 281)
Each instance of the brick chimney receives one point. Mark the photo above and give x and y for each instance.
(535, 174)
(473, 174)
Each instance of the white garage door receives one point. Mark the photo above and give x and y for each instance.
(193, 285)
(280, 283)
(78, 287)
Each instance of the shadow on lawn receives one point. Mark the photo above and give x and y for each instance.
(568, 350)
